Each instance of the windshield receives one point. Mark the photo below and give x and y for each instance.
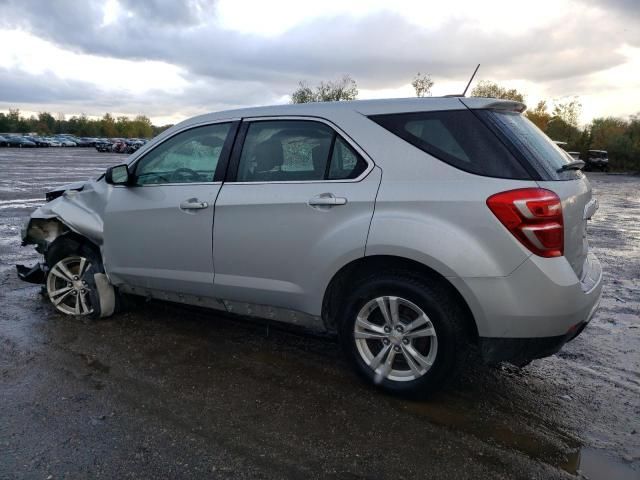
(538, 149)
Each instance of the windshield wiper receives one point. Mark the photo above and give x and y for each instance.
(575, 165)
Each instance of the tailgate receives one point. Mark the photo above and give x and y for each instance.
(577, 206)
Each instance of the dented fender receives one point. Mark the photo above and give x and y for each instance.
(79, 209)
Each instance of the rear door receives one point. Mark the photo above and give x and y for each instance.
(159, 230)
(298, 201)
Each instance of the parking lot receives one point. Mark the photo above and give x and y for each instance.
(172, 392)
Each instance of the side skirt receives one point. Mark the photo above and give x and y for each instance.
(284, 315)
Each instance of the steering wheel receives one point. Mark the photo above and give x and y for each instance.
(185, 174)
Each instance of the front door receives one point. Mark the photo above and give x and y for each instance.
(158, 231)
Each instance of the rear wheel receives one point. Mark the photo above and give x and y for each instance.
(403, 333)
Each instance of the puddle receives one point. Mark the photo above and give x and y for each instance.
(556, 449)
(596, 465)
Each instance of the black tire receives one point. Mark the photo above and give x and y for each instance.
(444, 312)
(67, 245)
(71, 245)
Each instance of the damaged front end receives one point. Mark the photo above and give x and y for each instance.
(70, 225)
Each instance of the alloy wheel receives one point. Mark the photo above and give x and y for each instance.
(395, 338)
(67, 289)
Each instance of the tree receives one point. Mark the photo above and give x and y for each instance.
(568, 110)
(422, 84)
(81, 125)
(141, 127)
(558, 129)
(539, 115)
(331, 91)
(108, 126)
(60, 122)
(616, 136)
(489, 89)
(122, 126)
(46, 123)
(303, 94)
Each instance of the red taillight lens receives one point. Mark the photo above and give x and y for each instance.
(533, 216)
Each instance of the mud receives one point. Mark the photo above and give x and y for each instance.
(165, 391)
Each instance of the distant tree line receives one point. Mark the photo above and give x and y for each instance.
(82, 126)
(620, 137)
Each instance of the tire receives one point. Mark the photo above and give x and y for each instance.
(70, 282)
(439, 340)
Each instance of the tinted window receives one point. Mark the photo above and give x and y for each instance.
(540, 151)
(295, 150)
(188, 157)
(458, 138)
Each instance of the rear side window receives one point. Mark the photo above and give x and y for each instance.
(456, 137)
(294, 151)
(345, 162)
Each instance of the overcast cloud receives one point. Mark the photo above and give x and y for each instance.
(170, 59)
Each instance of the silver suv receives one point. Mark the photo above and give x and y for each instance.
(412, 228)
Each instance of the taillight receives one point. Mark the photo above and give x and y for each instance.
(534, 217)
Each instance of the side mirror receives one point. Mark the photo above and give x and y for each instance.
(117, 175)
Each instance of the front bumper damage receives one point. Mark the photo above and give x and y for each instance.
(74, 214)
(35, 274)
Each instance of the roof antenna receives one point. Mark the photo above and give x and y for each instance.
(470, 80)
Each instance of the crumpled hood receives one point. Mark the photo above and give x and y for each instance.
(80, 208)
(70, 186)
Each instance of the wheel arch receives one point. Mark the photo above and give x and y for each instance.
(66, 242)
(337, 288)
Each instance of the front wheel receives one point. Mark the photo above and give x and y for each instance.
(67, 285)
(76, 282)
(403, 333)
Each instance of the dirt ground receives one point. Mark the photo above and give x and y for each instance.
(165, 391)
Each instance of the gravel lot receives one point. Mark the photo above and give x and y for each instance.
(165, 391)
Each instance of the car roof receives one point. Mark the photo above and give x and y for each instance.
(364, 107)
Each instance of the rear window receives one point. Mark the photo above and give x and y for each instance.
(533, 145)
(457, 137)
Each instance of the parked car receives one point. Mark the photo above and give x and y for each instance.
(20, 142)
(120, 146)
(39, 141)
(3, 141)
(65, 142)
(104, 145)
(410, 228)
(86, 142)
(53, 142)
(597, 160)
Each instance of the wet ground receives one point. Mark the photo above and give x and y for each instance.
(165, 391)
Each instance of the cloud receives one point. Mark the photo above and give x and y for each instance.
(381, 49)
(46, 91)
(17, 86)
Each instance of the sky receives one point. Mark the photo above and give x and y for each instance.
(172, 59)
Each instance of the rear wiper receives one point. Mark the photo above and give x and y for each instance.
(575, 165)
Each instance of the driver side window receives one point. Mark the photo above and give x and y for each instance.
(188, 157)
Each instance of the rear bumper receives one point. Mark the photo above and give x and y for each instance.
(541, 299)
(520, 351)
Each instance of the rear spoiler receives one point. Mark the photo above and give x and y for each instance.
(493, 104)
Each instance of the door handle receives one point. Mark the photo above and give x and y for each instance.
(193, 204)
(327, 200)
